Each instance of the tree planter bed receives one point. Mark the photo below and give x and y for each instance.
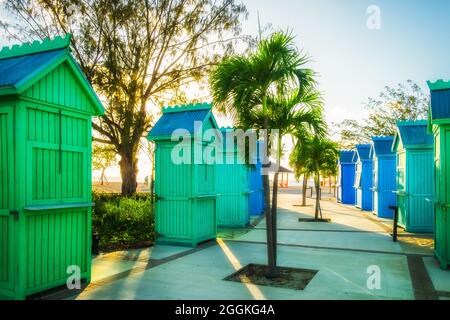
(290, 278)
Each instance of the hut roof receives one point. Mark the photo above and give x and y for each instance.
(382, 146)
(346, 156)
(21, 66)
(440, 99)
(181, 117)
(413, 133)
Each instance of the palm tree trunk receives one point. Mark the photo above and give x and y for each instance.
(317, 196)
(271, 264)
(274, 216)
(305, 186)
(275, 201)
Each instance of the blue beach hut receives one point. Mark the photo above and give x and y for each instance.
(255, 180)
(346, 177)
(415, 176)
(383, 182)
(363, 177)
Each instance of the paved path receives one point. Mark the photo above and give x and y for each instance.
(342, 251)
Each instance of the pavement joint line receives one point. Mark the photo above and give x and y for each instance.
(322, 230)
(152, 263)
(334, 248)
(422, 285)
(257, 221)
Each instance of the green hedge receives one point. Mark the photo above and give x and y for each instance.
(123, 222)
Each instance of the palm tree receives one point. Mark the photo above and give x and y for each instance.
(298, 160)
(263, 91)
(302, 134)
(321, 158)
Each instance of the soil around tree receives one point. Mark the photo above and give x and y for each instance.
(290, 278)
(324, 220)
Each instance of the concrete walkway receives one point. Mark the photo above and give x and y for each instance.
(344, 252)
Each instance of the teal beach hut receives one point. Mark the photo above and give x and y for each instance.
(363, 177)
(383, 181)
(255, 180)
(185, 182)
(413, 146)
(232, 185)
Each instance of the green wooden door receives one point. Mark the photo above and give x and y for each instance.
(442, 141)
(173, 188)
(7, 222)
(402, 202)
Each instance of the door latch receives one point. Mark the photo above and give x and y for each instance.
(14, 213)
(158, 198)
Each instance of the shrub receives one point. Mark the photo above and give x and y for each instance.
(123, 222)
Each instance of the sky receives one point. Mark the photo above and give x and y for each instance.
(355, 62)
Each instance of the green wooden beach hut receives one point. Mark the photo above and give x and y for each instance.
(413, 146)
(185, 182)
(46, 105)
(439, 121)
(233, 185)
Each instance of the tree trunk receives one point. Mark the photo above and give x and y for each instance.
(274, 218)
(304, 189)
(329, 182)
(152, 179)
(271, 271)
(128, 172)
(102, 177)
(317, 196)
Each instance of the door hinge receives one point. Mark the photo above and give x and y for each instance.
(14, 213)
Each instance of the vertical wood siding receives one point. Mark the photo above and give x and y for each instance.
(385, 183)
(56, 174)
(421, 191)
(56, 240)
(180, 216)
(6, 159)
(173, 211)
(232, 188)
(60, 87)
(7, 227)
(205, 219)
(256, 198)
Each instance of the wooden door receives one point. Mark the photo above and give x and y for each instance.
(7, 220)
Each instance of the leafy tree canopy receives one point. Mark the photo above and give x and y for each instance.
(135, 53)
(404, 102)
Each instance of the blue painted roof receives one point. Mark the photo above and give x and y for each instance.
(346, 156)
(440, 99)
(182, 117)
(13, 70)
(363, 151)
(415, 133)
(440, 104)
(382, 145)
(169, 122)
